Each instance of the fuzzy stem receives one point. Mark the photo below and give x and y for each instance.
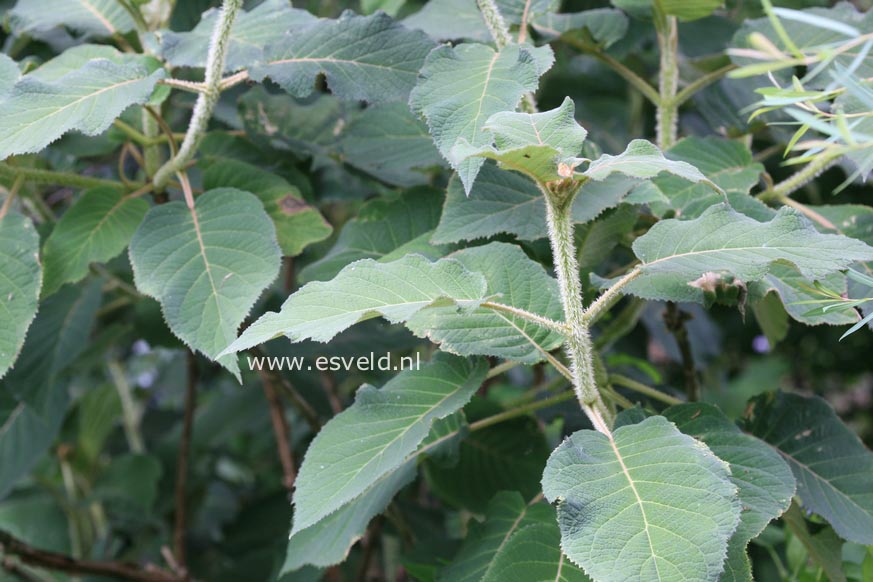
(609, 297)
(701, 83)
(800, 178)
(632, 384)
(205, 101)
(539, 320)
(668, 43)
(37, 176)
(578, 343)
(495, 23)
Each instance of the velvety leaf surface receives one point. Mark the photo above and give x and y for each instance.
(683, 259)
(363, 290)
(834, 470)
(87, 99)
(605, 25)
(368, 58)
(19, 285)
(96, 228)
(376, 434)
(647, 504)
(513, 279)
(534, 555)
(460, 88)
(642, 160)
(95, 17)
(206, 267)
(252, 30)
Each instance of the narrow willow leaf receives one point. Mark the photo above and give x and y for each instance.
(388, 142)
(382, 226)
(375, 435)
(96, 228)
(460, 88)
(363, 290)
(33, 400)
(206, 267)
(506, 514)
(368, 58)
(298, 224)
(328, 541)
(88, 100)
(94, 17)
(513, 279)
(265, 24)
(642, 160)
(533, 144)
(534, 555)
(647, 503)
(681, 260)
(764, 481)
(19, 286)
(605, 25)
(834, 470)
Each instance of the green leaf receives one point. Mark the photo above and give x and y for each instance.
(206, 266)
(129, 485)
(647, 501)
(506, 514)
(460, 88)
(9, 75)
(794, 290)
(683, 260)
(534, 144)
(363, 290)
(33, 401)
(19, 286)
(642, 160)
(74, 58)
(368, 58)
(605, 25)
(514, 280)
(534, 555)
(726, 163)
(328, 541)
(387, 141)
(834, 470)
(265, 24)
(297, 224)
(96, 228)
(375, 435)
(95, 17)
(684, 9)
(450, 20)
(87, 99)
(597, 239)
(764, 481)
(382, 226)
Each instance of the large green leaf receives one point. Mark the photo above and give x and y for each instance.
(535, 144)
(363, 290)
(327, 542)
(506, 514)
(684, 9)
(605, 25)
(375, 435)
(534, 555)
(298, 224)
(19, 285)
(450, 20)
(683, 260)
(764, 481)
(387, 141)
(96, 17)
(206, 266)
(265, 24)
(369, 58)
(460, 88)
(9, 75)
(96, 228)
(642, 160)
(382, 226)
(87, 99)
(834, 470)
(646, 503)
(33, 401)
(514, 280)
